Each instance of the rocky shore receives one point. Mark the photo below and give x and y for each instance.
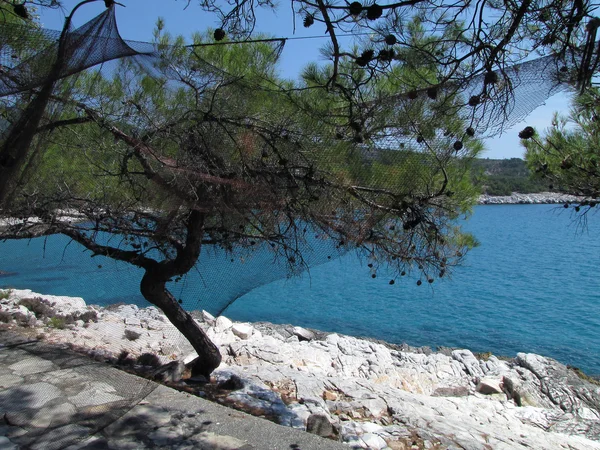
(364, 393)
(537, 198)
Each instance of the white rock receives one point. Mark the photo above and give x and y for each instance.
(489, 385)
(151, 313)
(23, 310)
(153, 324)
(208, 317)
(372, 441)
(370, 427)
(64, 304)
(134, 321)
(469, 361)
(303, 333)
(127, 310)
(242, 330)
(222, 324)
(154, 345)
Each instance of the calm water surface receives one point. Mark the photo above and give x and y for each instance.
(531, 286)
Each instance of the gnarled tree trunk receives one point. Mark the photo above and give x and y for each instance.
(154, 290)
(153, 285)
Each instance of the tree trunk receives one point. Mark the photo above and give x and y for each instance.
(153, 288)
(15, 148)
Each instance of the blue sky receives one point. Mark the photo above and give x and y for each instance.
(137, 20)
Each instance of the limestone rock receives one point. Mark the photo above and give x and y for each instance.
(368, 393)
(303, 334)
(242, 330)
(208, 317)
(130, 334)
(6, 444)
(320, 425)
(489, 386)
(372, 441)
(126, 311)
(454, 391)
(222, 324)
(468, 360)
(133, 321)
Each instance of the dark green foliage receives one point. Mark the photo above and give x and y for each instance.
(57, 322)
(432, 93)
(505, 176)
(386, 55)
(583, 375)
(567, 154)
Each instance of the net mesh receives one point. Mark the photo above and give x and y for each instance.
(286, 178)
(144, 150)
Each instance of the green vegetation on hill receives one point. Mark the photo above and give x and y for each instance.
(505, 176)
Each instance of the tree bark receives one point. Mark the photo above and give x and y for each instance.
(155, 291)
(153, 285)
(153, 288)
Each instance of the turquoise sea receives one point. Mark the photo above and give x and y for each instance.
(533, 285)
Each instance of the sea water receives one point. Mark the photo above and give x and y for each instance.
(531, 286)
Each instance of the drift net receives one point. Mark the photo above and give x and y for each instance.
(143, 144)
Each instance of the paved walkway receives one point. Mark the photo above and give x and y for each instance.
(52, 398)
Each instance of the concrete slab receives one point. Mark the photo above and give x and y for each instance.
(52, 398)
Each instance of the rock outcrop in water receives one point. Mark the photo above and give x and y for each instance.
(537, 198)
(365, 393)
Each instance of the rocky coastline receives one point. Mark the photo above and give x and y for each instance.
(366, 394)
(528, 199)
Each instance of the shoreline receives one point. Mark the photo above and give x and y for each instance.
(538, 198)
(364, 393)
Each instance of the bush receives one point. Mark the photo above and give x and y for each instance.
(5, 294)
(57, 322)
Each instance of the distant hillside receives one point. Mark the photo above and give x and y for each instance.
(504, 176)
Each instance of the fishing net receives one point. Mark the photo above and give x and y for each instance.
(196, 163)
(284, 178)
(284, 184)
